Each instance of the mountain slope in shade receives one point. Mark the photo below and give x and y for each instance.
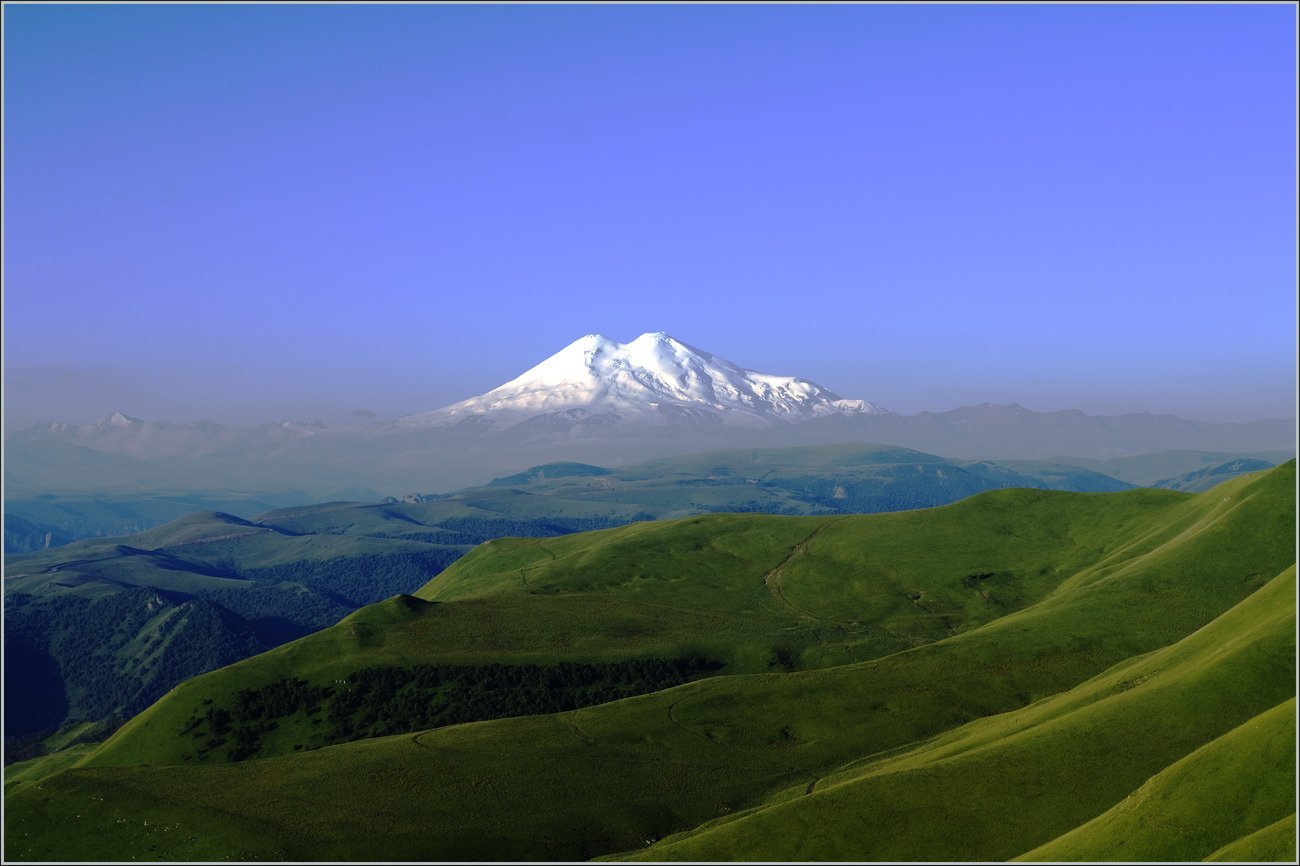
(655, 380)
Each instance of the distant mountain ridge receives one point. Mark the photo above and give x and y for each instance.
(1203, 479)
(595, 401)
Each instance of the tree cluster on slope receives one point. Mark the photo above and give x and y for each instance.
(390, 699)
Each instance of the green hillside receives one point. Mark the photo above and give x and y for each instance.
(241, 585)
(753, 593)
(1233, 787)
(1003, 782)
(983, 680)
(1274, 843)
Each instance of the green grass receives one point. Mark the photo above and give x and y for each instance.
(22, 773)
(996, 787)
(1232, 787)
(1116, 636)
(293, 571)
(1274, 843)
(756, 592)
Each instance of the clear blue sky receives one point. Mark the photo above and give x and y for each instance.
(242, 213)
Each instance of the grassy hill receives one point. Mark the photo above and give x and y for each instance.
(990, 789)
(1233, 787)
(211, 588)
(752, 593)
(1024, 673)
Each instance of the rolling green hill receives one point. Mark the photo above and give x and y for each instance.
(1231, 788)
(1023, 673)
(242, 585)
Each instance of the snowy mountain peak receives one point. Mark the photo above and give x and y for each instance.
(655, 380)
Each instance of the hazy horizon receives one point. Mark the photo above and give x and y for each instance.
(132, 395)
(244, 214)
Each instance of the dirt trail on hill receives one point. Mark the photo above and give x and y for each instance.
(772, 580)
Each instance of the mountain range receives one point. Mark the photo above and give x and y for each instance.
(595, 401)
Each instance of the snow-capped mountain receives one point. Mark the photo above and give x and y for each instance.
(596, 401)
(654, 381)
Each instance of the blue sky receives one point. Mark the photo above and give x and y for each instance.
(242, 213)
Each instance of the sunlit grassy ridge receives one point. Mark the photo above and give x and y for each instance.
(1274, 843)
(1112, 636)
(988, 790)
(155, 608)
(756, 592)
(1231, 788)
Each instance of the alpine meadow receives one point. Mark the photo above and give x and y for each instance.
(353, 512)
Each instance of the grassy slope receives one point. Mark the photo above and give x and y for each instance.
(1274, 843)
(542, 786)
(1230, 788)
(28, 772)
(296, 570)
(633, 769)
(754, 591)
(991, 789)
